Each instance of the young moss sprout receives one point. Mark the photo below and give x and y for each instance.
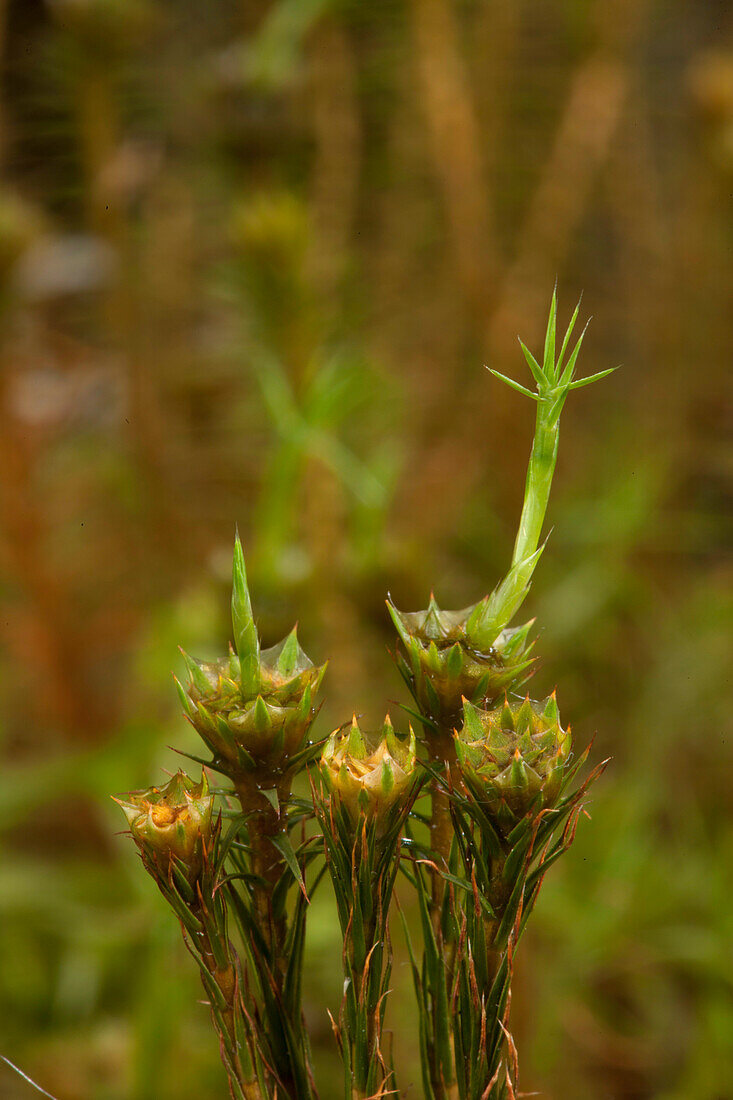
(505, 803)
(254, 709)
(471, 653)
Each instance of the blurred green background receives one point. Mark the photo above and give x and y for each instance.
(253, 257)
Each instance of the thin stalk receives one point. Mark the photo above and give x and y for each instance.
(554, 379)
(268, 865)
(362, 858)
(365, 968)
(227, 1014)
(442, 754)
(265, 825)
(538, 484)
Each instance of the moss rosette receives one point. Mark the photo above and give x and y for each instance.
(171, 822)
(513, 757)
(369, 773)
(443, 666)
(263, 731)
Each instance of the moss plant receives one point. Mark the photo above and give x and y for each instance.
(506, 794)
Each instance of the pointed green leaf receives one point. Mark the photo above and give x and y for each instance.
(261, 716)
(245, 632)
(398, 624)
(197, 674)
(432, 657)
(387, 777)
(550, 712)
(356, 746)
(533, 365)
(271, 795)
(454, 662)
(186, 703)
(305, 703)
(282, 842)
(549, 352)
(567, 374)
(580, 382)
(432, 695)
(523, 720)
(568, 334)
(288, 658)
(427, 722)
(514, 385)
(503, 603)
(472, 721)
(476, 616)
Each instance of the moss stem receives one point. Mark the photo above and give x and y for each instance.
(225, 1021)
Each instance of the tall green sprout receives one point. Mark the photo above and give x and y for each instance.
(554, 379)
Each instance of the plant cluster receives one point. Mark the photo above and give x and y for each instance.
(471, 808)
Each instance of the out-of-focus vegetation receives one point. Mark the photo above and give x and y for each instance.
(252, 259)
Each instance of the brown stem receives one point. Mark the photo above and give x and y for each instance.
(499, 895)
(267, 864)
(441, 835)
(442, 754)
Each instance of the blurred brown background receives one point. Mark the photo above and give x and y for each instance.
(253, 257)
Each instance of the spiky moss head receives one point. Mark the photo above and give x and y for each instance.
(369, 773)
(171, 822)
(513, 757)
(254, 708)
(443, 664)
(260, 726)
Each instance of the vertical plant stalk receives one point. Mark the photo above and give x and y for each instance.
(515, 812)
(222, 979)
(267, 816)
(267, 827)
(442, 755)
(367, 788)
(274, 944)
(254, 710)
(494, 919)
(179, 845)
(472, 653)
(366, 959)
